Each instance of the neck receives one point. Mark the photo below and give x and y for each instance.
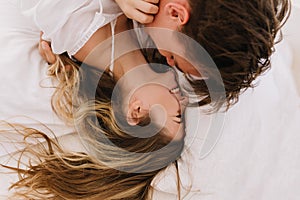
(127, 50)
(97, 51)
(128, 62)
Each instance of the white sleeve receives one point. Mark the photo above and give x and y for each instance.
(68, 24)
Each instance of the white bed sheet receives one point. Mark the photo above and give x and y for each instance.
(258, 153)
(256, 157)
(23, 96)
(25, 89)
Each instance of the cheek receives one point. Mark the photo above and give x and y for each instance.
(174, 128)
(158, 115)
(171, 105)
(187, 67)
(175, 131)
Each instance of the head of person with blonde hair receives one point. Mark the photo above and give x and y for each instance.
(125, 150)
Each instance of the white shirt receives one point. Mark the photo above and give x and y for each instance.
(69, 24)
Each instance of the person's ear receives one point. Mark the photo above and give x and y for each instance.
(170, 60)
(134, 112)
(178, 13)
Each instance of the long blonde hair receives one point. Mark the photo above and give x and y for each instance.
(117, 166)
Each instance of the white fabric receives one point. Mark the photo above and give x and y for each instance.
(296, 3)
(291, 33)
(69, 24)
(25, 89)
(112, 60)
(258, 154)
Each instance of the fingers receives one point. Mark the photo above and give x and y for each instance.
(142, 17)
(48, 54)
(146, 7)
(143, 11)
(46, 51)
(139, 10)
(152, 1)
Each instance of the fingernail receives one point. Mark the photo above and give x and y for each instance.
(44, 45)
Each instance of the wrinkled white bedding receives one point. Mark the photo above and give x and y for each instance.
(258, 153)
(256, 156)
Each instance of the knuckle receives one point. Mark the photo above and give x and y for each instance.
(153, 1)
(148, 19)
(145, 19)
(129, 15)
(154, 9)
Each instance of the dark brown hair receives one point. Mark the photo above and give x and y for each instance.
(239, 35)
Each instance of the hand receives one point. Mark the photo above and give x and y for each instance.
(139, 10)
(46, 51)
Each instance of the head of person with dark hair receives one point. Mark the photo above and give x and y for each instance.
(238, 35)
